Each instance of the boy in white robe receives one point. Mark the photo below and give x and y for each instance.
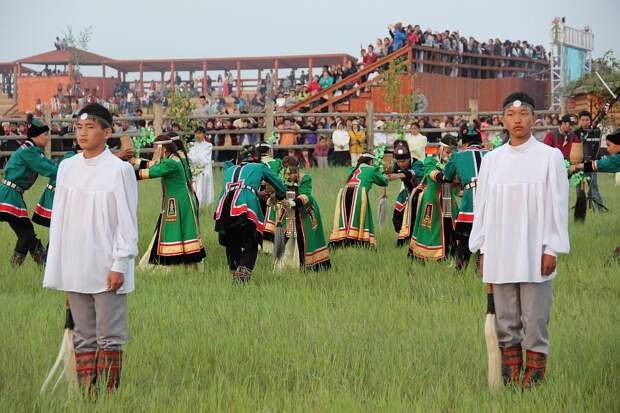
(93, 242)
(520, 226)
(200, 156)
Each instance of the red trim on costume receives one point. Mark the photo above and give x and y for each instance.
(399, 206)
(10, 209)
(465, 217)
(44, 212)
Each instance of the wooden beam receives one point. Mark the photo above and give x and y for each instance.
(275, 75)
(141, 79)
(172, 77)
(310, 70)
(104, 95)
(204, 78)
(238, 78)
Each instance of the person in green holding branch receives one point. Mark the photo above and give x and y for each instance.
(609, 163)
(433, 229)
(238, 217)
(410, 171)
(21, 171)
(353, 224)
(177, 238)
(314, 253)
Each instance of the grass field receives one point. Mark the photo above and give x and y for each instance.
(376, 333)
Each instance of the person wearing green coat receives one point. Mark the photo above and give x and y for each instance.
(177, 238)
(353, 224)
(313, 250)
(239, 219)
(20, 173)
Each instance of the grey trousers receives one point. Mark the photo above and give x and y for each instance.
(523, 307)
(100, 321)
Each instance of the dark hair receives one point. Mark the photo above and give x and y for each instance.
(171, 147)
(585, 113)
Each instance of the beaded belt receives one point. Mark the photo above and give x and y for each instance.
(51, 187)
(470, 185)
(234, 187)
(13, 186)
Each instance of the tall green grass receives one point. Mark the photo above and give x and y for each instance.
(378, 332)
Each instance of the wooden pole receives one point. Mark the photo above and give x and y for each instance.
(162, 82)
(204, 78)
(141, 79)
(104, 95)
(310, 70)
(268, 119)
(172, 77)
(239, 86)
(275, 74)
(157, 118)
(370, 114)
(473, 109)
(47, 115)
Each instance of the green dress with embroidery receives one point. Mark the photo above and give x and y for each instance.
(177, 238)
(353, 223)
(407, 201)
(427, 240)
(42, 213)
(22, 170)
(269, 225)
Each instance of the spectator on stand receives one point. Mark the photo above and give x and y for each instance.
(357, 141)
(321, 152)
(340, 139)
(398, 34)
(326, 79)
(416, 142)
(288, 136)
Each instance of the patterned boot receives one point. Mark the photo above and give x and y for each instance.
(535, 366)
(242, 275)
(109, 365)
(512, 363)
(17, 259)
(39, 253)
(86, 368)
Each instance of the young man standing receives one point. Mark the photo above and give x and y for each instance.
(520, 226)
(93, 242)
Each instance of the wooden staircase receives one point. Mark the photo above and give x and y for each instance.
(326, 100)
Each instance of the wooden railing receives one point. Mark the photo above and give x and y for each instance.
(427, 60)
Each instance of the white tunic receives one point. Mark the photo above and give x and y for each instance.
(200, 154)
(94, 226)
(520, 212)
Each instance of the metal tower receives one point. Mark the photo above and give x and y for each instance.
(563, 38)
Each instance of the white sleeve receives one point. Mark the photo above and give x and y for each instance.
(555, 237)
(125, 246)
(476, 237)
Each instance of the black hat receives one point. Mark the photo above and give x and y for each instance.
(517, 99)
(470, 134)
(36, 128)
(96, 112)
(614, 137)
(568, 119)
(401, 150)
(450, 141)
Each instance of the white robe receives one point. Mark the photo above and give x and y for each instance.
(200, 154)
(520, 212)
(94, 227)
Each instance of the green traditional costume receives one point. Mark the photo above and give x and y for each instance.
(42, 213)
(177, 238)
(269, 224)
(353, 222)
(20, 173)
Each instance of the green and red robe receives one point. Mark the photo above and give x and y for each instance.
(406, 204)
(314, 253)
(42, 213)
(353, 222)
(463, 167)
(20, 173)
(239, 203)
(269, 211)
(177, 238)
(428, 241)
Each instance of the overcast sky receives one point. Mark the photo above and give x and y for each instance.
(183, 28)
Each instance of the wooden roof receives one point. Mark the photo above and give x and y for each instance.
(61, 57)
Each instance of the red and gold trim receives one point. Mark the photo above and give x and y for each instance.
(179, 248)
(316, 257)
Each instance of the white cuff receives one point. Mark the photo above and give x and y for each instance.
(120, 265)
(548, 251)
